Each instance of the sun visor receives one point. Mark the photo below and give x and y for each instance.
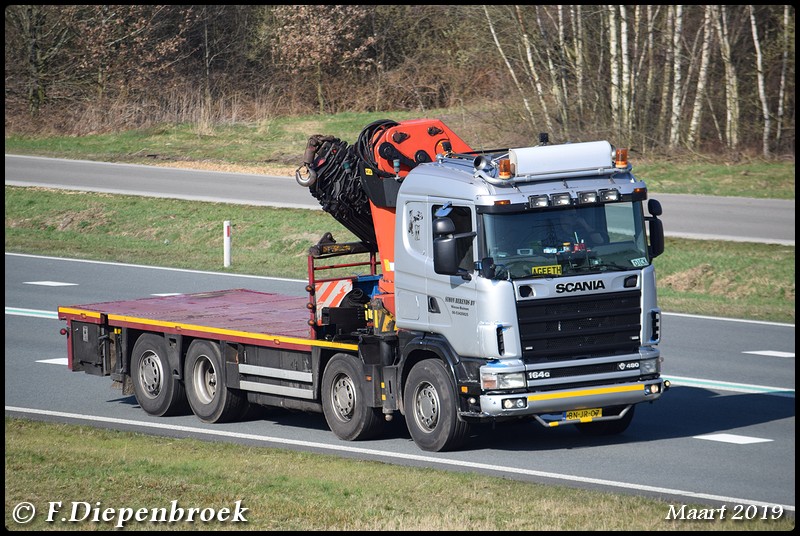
(567, 159)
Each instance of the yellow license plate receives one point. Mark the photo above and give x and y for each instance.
(555, 269)
(583, 414)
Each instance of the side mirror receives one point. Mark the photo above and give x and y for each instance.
(656, 237)
(654, 207)
(656, 228)
(443, 226)
(446, 258)
(487, 268)
(445, 254)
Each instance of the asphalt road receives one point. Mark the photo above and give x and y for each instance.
(688, 216)
(724, 433)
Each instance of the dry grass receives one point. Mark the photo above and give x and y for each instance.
(287, 490)
(268, 169)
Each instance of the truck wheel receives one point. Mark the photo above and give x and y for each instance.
(156, 389)
(607, 428)
(344, 401)
(209, 397)
(430, 408)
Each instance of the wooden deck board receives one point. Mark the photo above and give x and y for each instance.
(237, 310)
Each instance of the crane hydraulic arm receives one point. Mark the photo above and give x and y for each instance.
(358, 184)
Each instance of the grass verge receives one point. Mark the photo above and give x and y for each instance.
(287, 490)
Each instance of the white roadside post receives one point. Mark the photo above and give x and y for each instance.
(227, 243)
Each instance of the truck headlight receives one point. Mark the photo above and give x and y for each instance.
(495, 380)
(648, 366)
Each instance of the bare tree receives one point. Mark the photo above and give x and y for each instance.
(762, 91)
(731, 79)
(511, 71)
(578, 55)
(784, 68)
(558, 80)
(675, 116)
(702, 79)
(666, 73)
(43, 33)
(626, 89)
(651, 14)
(564, 87)
(613, 64)
(322, 44)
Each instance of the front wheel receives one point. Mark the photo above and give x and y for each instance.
(431, 408)
(204, 373)
(344, 401)
(158, 392)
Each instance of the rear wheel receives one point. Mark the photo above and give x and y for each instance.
(606, 428)
(344, 401)
(431, 409)
(209, 397)
(157, 390)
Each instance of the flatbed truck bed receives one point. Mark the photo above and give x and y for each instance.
(216, 351)
(237, 315)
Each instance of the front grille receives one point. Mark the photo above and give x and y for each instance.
(599, 368)
(579, 326)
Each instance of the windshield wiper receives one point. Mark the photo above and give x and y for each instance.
(604, 266)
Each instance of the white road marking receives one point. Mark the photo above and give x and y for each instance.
(50, 283)
(733, 438)
(164, 268)
(728, 386)
(38, 313)
(56, 361)
(764, 322)
(771, 353)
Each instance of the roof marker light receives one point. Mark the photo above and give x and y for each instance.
(504, 168)
(621, 161)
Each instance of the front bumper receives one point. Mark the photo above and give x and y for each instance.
(547, 402)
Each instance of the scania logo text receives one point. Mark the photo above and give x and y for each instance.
(579, 286)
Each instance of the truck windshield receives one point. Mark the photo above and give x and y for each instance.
(567, 240)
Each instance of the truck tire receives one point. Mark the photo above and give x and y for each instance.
(158, 392)
(431, 409)
(607, 428)
(209, 397)
(344, 401)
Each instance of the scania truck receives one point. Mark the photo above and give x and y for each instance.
(483, 286)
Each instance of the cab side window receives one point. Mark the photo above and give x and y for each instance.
(462, 219)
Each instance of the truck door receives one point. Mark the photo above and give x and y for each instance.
(451, 299)
(412, 252)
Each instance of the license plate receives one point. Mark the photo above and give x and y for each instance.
(583, 414)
